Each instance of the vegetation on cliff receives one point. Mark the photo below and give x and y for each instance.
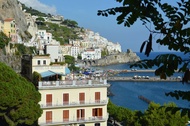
(34, 11)
(4, 40)
(59, 32)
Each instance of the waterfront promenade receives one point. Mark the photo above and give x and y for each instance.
(114, 78)
(138, 78)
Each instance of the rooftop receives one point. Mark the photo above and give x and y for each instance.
(72, 84)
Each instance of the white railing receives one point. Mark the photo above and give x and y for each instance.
(73, 103)
(71, 83)
(77, 120)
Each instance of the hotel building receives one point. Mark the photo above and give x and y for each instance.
(67, 102)
(73, 103)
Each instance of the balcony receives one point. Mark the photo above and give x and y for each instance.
(92, 119)
(72, 84)
(74, 104)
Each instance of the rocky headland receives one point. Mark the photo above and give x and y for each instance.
(119, 58)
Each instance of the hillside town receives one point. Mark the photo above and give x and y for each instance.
(89, 46)
(66, 98)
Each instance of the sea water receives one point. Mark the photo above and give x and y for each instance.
(126, 93)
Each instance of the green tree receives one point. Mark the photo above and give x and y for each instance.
(70, 60)
(4, 40)
(40, 19)
(104, 52)
(79, 57)
(70, 23)
(157, 115)
(171, 22)
(19, 99)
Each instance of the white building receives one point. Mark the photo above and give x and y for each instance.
(75, 50)
(91, 54)
(112, 47)
(55, 53)
(42, 65)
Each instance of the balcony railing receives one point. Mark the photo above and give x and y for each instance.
(73, 104)
(77, 120)
(71, 83)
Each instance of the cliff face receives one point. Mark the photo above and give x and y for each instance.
(117, 59)
(11, 9)
(125, 57)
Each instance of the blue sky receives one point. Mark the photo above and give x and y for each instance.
(84, 12)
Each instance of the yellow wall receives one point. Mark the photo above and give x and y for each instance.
(57, 100)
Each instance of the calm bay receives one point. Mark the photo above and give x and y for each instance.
(126, 93)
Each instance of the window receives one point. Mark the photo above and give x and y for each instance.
(65, 115)
(97, 97)
(44, 62)
(38, 62)
(80, 114)
(97, 124)
(97, 112)
(48, 116)
(49, 100)
(65, 99)
(81, 125)
(82, 98)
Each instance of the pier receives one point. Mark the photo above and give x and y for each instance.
(144, 99)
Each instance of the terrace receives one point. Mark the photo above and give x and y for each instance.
(72, 84)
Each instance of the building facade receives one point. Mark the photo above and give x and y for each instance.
(10, 29)
(91, 54)
(42, 65)
(74, 103)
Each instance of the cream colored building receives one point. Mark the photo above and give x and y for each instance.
(10, 29)
(73, 103)
(43, 65)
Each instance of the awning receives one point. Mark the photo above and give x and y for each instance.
(49, 73)
(67, 71)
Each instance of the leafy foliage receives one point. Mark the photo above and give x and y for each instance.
(71, 63)
(70, 23)
(19, 99)
(155, 115)
(171, 23)
(40, 19)
(4, 40)
(21, 49)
